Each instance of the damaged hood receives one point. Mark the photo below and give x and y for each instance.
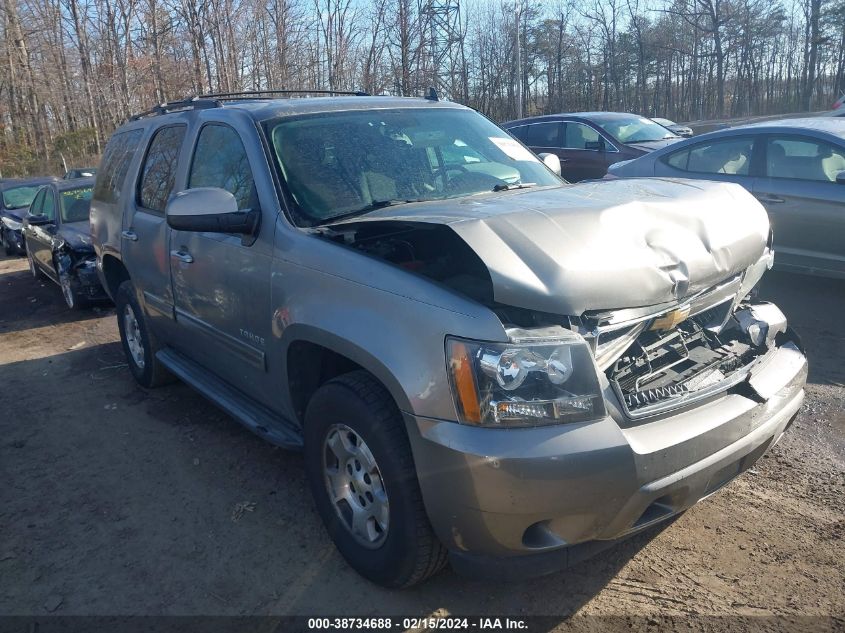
(603, 245)
(77, 235)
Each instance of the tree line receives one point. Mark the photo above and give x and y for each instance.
(73, 70)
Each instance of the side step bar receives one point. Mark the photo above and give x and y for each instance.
(254, 416)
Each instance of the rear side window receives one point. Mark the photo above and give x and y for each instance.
(158, 175)
(544, 134)
(803, 158)
(116, 159)
(220, 161)
(727, 156)
(520, 132)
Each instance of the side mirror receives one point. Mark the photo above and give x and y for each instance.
(840, 178)
(551, 161)
(213, 210)
(595, 145)
(37, 220)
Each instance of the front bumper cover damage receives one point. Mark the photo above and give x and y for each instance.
(523, 502)
(81, 268)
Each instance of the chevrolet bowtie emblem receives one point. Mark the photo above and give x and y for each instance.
(671, 319)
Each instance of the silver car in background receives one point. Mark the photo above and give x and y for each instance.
(794, 167)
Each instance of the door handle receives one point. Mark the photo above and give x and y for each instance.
(182, 256)
(132, 236)
(770, 199)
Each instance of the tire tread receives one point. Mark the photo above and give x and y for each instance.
(432, 555)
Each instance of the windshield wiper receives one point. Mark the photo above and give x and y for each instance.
(373, 206)
(506, 187)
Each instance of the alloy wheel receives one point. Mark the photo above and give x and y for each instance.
(132, 331)
(355, 486)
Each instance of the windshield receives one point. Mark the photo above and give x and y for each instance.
(347, 163)
(75, 204)
(635, 129)
(19, 197)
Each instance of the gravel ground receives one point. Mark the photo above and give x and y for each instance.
(116, 500)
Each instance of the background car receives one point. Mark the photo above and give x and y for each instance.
(16, 194)
(795, 168)
(587, 143)
(58, 240)
(82, 172)
(677, 128)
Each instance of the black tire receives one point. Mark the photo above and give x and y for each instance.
(150, 372)
(409, 552)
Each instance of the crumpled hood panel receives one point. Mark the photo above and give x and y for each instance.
(77, 235)
(603, 245)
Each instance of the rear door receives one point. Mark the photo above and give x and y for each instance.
(221, 282)
(806, 206)
(544, 137)
(146, 236)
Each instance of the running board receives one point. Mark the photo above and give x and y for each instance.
(254, 416)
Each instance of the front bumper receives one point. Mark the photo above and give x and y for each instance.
(519, 500)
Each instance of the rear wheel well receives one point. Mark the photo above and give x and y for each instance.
(115, 273)
(309, 366)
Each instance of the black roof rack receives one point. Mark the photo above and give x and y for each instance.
(260, 94)
(215, 100)
(189, 103)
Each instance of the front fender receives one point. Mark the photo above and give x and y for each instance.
(398, 338)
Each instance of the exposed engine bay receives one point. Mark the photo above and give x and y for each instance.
(656, 358)
(667, 368)
(431, 250)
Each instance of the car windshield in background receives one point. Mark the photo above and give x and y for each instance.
(634, 129)
(348, 163)
(76, 204)
(19, 197)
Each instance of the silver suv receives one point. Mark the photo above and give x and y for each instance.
(477, 359)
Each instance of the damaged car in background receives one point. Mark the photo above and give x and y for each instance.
(479, 361)
(57, 240)
(16, 194)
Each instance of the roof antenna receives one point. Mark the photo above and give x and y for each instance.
(432, 94)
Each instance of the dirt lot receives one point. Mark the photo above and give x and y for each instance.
(115, 500)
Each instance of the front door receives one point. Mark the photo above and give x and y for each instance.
(583, 153)
(145, 236)
(806, 206)
(40, 238)
(221, 282)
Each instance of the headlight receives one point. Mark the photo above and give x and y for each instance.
(12, 225)
(540, 377)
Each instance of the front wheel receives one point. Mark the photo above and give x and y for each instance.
(361, 472)
(72, 299)
(139, 343)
